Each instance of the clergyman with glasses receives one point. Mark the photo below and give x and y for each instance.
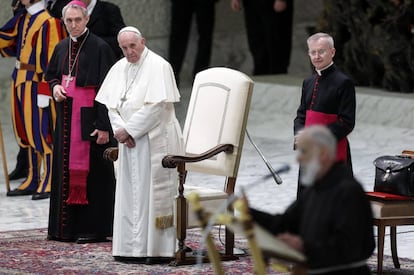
(83, 183)
(328, 98)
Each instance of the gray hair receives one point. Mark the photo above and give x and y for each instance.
(321, 35)
(129, 29)
(75, 6)
(323, 137)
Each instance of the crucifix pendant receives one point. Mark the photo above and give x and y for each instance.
(123, 99)
(67, 79)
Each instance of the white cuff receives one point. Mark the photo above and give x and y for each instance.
(43, 101)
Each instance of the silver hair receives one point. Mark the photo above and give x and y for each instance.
(323, 137)
(75, 6)
(320, 35)
(130, 29)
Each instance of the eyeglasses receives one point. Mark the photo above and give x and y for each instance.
(76, 20)
(317, 52)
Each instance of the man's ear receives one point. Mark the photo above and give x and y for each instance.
(324, 155)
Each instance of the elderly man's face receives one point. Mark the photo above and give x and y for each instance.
(75, 21)
(132, 46)
(305, 150)
(308, 158)
(320, 53)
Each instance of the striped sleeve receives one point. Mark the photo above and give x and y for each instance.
(8, 36)
(51, 34)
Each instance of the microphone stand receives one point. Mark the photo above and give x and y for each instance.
(275, 176)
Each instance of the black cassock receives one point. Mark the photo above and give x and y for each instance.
(106, 21)
(95, 219)
(334, 219)
(334, 94)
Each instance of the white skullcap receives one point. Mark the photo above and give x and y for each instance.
(130, 29)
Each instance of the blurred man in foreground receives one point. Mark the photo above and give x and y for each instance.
(331, 223)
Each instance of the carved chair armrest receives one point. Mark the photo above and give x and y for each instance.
(172, 161)
(111, 153)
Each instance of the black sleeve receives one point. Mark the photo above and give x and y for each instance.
(279, 223)
(53, 73)
(299, 121)
(346, 111)
(266, 220)
(106, 60)
(102, 119)
(115, 23)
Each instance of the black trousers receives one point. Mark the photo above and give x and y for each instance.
(181, 16)
(269, 35)
(22, 163)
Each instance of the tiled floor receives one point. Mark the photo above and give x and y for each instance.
(270, 124)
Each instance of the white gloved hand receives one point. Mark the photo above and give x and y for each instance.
(43, 101)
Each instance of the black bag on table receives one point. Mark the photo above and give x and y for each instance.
(394, 175)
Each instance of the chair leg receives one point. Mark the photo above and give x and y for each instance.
(381, 235)
(229, 246)
(393, 237)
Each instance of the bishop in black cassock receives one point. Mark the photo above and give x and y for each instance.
(81, 213)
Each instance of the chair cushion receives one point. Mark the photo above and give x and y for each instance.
(205, 193)
(392, 209)
(210, 199)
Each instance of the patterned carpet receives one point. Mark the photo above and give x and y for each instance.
(28, 252)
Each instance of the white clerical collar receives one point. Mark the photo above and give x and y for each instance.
(91, 6)
(75, 39)
(319, 72)
(35, 8)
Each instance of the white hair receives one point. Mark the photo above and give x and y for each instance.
(321, 35)
(322, 136)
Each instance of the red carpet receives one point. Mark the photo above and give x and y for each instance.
(28, 252)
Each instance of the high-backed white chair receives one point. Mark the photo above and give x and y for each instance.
(213, 132)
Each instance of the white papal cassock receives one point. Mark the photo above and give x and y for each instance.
(140, 99)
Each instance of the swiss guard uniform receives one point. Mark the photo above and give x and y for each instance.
(31, 36)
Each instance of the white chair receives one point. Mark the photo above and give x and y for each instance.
(213, 132)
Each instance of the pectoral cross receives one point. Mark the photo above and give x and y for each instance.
(67, 79)
(123, 99)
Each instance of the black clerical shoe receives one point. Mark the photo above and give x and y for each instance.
(18, 192)
(91, 239)
(40, 196)
(130, 260)
(18, 173)
(158, 260)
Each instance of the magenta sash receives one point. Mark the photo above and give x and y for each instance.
(79, 149)
(313, 118)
